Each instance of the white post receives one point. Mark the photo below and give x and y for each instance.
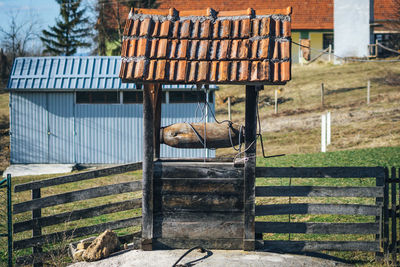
(229, 108)
(323, 133)
(207, 152)
(368, 91)
(328, 128)
(330, 52)
(276, 101)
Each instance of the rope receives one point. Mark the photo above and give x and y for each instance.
(202, 250)
(389, 49)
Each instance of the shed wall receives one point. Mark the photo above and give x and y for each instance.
(51, 128)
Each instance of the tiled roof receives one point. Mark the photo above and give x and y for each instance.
(205, 46)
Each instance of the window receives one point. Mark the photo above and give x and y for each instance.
(97, 97)
(133, 97)
(327, 40)
(189, 96)
(304, 35)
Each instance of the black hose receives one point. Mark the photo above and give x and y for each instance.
(202, 250)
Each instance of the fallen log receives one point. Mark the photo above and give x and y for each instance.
(196, 135)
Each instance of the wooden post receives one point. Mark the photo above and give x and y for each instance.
(322, 95)
(250, 167)
(323, 133)
(148, 159)
(393, 214)
(368, 91)
(156, 95)
(36, 229)
(229, 109)
(276, 101)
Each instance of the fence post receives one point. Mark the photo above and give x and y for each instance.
(322, 95)
(323, 133)
(9, 221)
(393, 246)
(229, 109)
(328, 128)
(36, 229)
(276, 101)
(330, 53)
(368, 91)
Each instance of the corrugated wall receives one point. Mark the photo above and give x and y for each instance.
(103, 133)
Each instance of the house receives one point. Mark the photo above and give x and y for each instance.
(77, 110)
(312, 20)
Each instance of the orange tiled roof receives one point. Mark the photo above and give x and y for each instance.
(205, 46)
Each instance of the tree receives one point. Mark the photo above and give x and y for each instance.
(111, 16)
(70, 31)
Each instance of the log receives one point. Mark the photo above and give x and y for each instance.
(198, 135)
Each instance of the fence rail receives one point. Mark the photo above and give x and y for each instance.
(375, 193)
(37, 203)
(6, 216)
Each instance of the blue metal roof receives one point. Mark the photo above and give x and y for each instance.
(71, 73)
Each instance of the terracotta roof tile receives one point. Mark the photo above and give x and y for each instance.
(205, 46)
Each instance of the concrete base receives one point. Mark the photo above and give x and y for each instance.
(37, 169)
(215, 258)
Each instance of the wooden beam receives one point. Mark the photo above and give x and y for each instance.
(148, 165)
(156, 97)
(250, 167)
(302, 246)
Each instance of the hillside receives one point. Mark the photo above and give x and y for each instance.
(296, 127)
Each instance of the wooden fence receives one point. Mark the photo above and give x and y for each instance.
(392, 214)
(376, 228)
(37, 203)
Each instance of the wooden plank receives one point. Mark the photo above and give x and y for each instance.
(380, 181)
(199, 202)
(309, 246)
(148, 168)
(95, 192)
(319, 172)
(199, 216)
(78, 177)
(318, 191)
(78, 214)
(197, 170)
(250, 166)
(212, 185)
(317, 228)
(83, 231)
(305, 208)
(386, 217)
(181, 243)
(211, 229)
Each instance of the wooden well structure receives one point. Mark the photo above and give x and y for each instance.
(208, 202)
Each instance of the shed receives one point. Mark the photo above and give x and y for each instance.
(77, 110)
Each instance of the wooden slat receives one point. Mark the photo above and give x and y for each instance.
(83, 231)
(317, 228)
(319, 172)
(191, 185)
(318, 191)
(78, 214)
(199, 216)
(199, 202)
(196, 170)
(182, 243)
(308, 246)
(343, 209)
(393, 214)
(78, 177)
(77, 195)
(199, 230)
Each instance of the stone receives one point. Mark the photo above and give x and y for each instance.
(83, 245)
(78, 255)
(102, 246)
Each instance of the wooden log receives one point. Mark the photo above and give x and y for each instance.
(309, 246)
(83, 231)
(194, 135)
(78, 177)
(343, 209)
(318, 191)
(319, 172)
(84, 194)
(317, 228)
(77, 215)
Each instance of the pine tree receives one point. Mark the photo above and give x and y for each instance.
(70, 30)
